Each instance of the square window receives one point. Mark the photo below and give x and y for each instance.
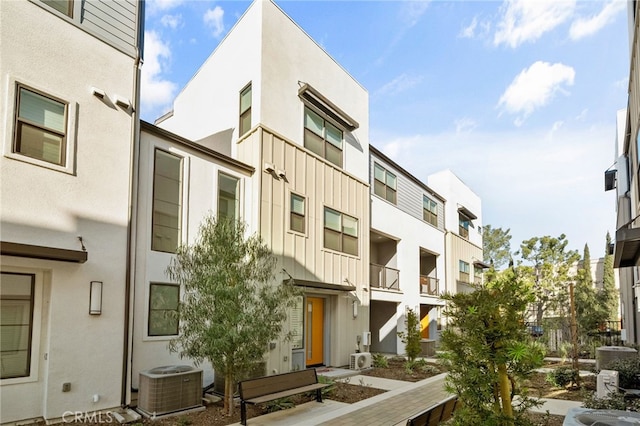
(322, 138)
(163, 309)
(340, 232)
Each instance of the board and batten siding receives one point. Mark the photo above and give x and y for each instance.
(409, 194)
(322, 185)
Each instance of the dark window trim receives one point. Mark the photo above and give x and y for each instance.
(388, 191)
(325, 141)
(311, 96)
(248, 110)
(341, 232)
(303, 215)
(149, 312)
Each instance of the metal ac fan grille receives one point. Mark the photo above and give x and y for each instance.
(607, 419)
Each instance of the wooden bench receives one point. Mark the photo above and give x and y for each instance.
(269, 388)
(440, 412)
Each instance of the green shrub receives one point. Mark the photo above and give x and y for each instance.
(562, 376)
(614, 401)
(411, 338)
(279, 404)
(628, 371)
(379, 361)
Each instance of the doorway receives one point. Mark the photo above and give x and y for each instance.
(314, 344)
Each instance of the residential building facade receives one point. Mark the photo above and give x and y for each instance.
(68, 110)
(286, 108)
(407, 254)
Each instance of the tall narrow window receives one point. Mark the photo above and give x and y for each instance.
(463, 225)
(464, 271)
(63, 6)
(297, 218)
(40, 127)
(228, 197)
(322, 137)
(167, 197)
(16, 324)
(384, 183)
(340, 232)
(245, 110)
(429, 210)
(163, 309)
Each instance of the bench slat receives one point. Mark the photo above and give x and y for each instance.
(253, 388)
(434, 414)
(284, 394)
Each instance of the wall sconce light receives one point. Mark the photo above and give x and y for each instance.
(95, 298)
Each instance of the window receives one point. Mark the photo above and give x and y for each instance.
(40, 130)
(16, 303)
(429, 210)
(384, 183)
(322, 137)
(245, 110)
(167, 196)
(463, 226)
(228, 197)
(464, 271)
(297, 218)
(63, 6)
(163, 309)
(340, 232)
(477, 274)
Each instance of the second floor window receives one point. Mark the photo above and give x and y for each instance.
(228, 197)
(297, 218)
(167, 202)
(464, 271)
(429, 210)
(463, 226)
(340, 232)
(63, 6)
(384, 183)
(322, 137)
(245, 110)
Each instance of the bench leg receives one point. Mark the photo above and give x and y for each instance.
(319, 395)
(243, 413)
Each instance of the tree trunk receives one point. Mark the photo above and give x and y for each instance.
(505, 390)
(228, 394)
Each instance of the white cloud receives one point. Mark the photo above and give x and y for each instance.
(155, 6)
(527, 20)
(213, 19)
(535, 87)
(465, 125)
(172, 21)
(583, 115)
(585, 27)
(156, 92)
(412, 11)
(469, 31)
(399, 84)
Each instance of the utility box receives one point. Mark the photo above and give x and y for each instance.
(607, 383)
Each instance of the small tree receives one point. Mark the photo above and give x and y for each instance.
(411, 338)
(488, 353)
(230, 308)
(609, 294)
(589, 311)
(496, 246)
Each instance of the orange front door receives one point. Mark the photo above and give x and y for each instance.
(315, 331)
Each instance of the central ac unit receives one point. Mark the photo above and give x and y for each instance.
(169, 389)
(360, 361)
(607, 383)
(579, 416)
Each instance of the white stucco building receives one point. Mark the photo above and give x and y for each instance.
(67, 110)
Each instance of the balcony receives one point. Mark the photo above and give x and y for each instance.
(385, 278)
(428, 285)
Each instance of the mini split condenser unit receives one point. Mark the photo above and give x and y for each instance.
(360, 361)
(168, 389)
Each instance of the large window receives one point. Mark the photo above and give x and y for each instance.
(16, 324)
(63, 6)
(340, 232)
(384, 183)
(464, 271)
(322, 137)
(228, 197)
(40, 130)
(167, 201)
(429, 210)
(297, 218)
(163, 309)
(245, 110)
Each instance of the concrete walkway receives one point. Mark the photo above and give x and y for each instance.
(391, 408)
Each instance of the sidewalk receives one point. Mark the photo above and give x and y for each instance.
(390, 408)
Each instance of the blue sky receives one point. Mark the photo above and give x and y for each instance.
(518, 98)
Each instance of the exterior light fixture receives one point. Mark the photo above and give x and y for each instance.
(95, 298)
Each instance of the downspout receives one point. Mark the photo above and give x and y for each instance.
(133, 193)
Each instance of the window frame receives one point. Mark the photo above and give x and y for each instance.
(238, 198)
(464, 271)
(384, 185)
(429, 215)
(342, 235)
(464, 224)
(150, 310)
(181, 159)
(325, 141)
(70, 6)
(302, 216)
(246, 112)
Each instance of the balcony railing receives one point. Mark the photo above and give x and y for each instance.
(383, 277)
(428, 285)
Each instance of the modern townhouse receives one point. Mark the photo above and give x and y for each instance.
(69, 73)
(179, 183)
(625, 177)
(463, 236)
(271, 97)
(407, 253)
